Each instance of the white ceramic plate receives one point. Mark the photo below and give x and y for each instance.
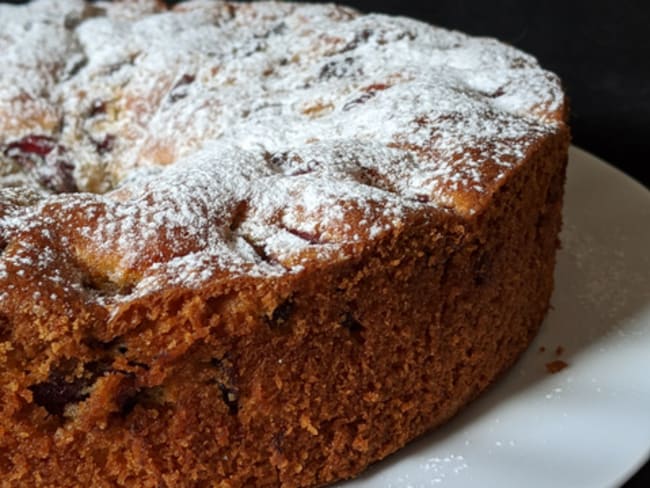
(589, 424)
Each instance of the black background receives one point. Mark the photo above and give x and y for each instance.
(600, 49)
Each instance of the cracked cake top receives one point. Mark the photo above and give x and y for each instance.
(142, 147)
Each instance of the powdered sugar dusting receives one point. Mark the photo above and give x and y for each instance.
(248, 138)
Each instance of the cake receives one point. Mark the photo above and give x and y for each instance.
(259, 245)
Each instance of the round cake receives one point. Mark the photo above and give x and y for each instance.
(259, 245)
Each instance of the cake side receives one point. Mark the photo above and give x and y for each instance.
(304, 381)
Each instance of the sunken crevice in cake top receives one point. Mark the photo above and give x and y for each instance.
(144, 148)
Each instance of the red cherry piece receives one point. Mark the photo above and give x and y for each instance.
(32, 144)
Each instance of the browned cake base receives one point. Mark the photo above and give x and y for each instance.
(303, 380)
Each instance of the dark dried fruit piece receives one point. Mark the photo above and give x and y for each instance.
(290, 164)
(230, 398)
(59, 390)
(62, 388)
(226, 382)
(5, 328)
(46, 159)
(259, 250)
(55, 393)
(281, 314)
(276, 160)
(499, 92)
(275, 30)
(179, 90)
(359, 100)
(186, 79)
(482, 269)
(106, 145)
(260, 46)
(359, 38)
(57, 176)
(75, 65)
(336, 69)
(97, 107)
(277, 442)
(519, 63)
(304, 235)
(32, 145)
(354, 327)
(411, 36)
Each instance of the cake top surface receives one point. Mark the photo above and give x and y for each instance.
(142, 147)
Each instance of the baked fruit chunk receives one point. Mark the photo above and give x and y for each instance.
(259, 244)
